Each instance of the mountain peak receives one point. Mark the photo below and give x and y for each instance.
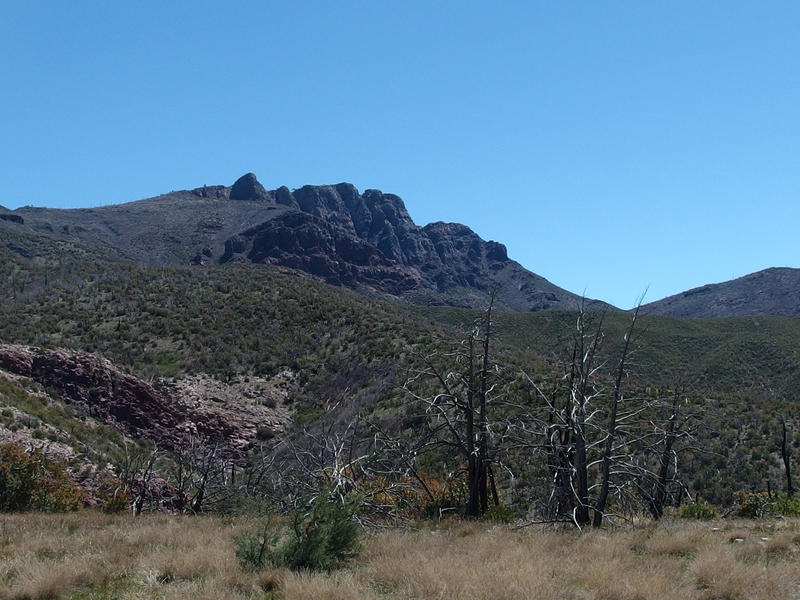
(247, 187)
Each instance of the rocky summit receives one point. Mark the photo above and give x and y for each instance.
(363, 240)
(247, 187)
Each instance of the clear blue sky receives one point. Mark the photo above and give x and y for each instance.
(609, 145)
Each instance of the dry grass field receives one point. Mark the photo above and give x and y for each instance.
(88, 555)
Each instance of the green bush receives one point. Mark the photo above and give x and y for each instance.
(785, 506)
(321, 537)
(30, 480)
(759, 505)
(752, 505)
(255, 550)
(697, 510)
(500, 513)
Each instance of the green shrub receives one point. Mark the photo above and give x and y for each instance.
(255, 550)
(752, 505)
(500, 513)
(321, 537)
(785, 506)
(30, 480)
(759, 505)
(697, 510)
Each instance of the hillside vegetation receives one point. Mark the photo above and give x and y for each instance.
(354, 352)
(757, 355)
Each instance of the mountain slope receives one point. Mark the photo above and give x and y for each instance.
(214, 332)
(773, 291)
(748, 355)
(366, 241)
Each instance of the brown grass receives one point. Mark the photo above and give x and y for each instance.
(88, 555)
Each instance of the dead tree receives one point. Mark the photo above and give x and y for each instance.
(658, 496)
(203, 473)
(588, 427)
(457, 390)
(613, 423)
(669, 432)
(137, 474)
(787, 459)
(583, 393)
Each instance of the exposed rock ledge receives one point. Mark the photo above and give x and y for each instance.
(166, 412)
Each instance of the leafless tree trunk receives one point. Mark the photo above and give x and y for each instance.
(461, 406)
(611, 427)
(602, 446)
(136, 472)
(787, 459)
(582, 393)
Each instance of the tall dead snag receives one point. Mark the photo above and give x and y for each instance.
(562, 424)
(456, 388)
(670, 433)
(787, 459)
(658, 497)
(479, 483)
(613, 423)
(590, 430)
(583, 393)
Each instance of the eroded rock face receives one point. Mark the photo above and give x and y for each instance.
(95, 387)
(369, 240)
(163, 413)
(17, 360)
(320, 247)
(247, 187)
(258, 407)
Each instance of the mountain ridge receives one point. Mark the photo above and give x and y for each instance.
(773, 291)
(363, 240)
(366, 241)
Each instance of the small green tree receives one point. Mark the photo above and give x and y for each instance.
(322, 537)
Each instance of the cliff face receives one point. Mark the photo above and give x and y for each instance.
(368, 240)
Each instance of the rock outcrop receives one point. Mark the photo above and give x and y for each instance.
(212, 191)
(247, 187)
(322, 248)
(95, 387)
(368, 240)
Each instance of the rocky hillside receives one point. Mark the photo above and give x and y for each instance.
(366, 241)
(770, 292)
(233, 414)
